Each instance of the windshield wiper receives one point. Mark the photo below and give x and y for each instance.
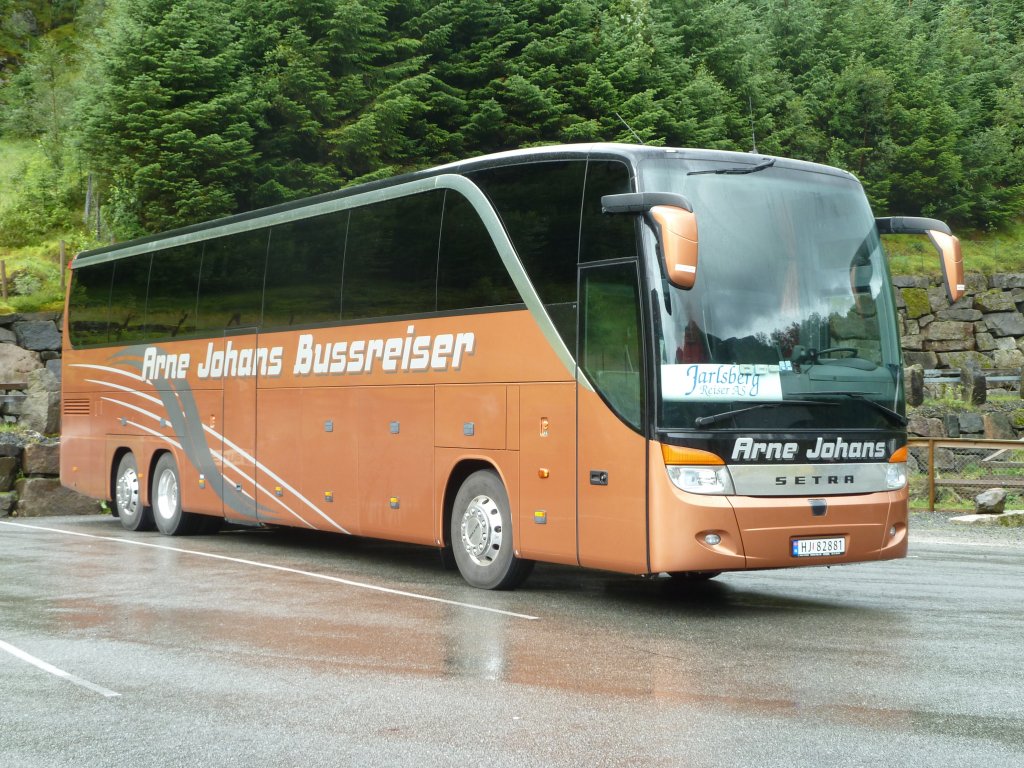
(706, 421)
(894, 416)
(750, 169)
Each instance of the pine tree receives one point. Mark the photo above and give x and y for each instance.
(170, 124)
(286, 52)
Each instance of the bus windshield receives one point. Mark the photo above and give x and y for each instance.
(790, 324)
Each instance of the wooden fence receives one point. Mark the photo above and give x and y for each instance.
(993, 460)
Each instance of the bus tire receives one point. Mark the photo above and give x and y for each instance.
(481, 534)
(128, 497)
(166, 495)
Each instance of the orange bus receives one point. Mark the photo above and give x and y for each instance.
(515, 358)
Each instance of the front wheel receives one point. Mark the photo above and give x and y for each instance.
(481, 534)
(170, 518)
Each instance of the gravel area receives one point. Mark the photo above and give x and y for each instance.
(936, 526)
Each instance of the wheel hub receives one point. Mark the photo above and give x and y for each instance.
(167, 495)
(481, 530)
(128, 492)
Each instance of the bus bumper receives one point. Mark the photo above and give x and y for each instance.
(692, 532)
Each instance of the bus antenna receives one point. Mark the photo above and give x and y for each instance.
(635, 135)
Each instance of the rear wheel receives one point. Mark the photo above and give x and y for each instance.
(481, 534)
(166, 495)
(128, 498)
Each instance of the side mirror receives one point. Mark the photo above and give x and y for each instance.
(945, 242)
(948, 246)
(675, 224)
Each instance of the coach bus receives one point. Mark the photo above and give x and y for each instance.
(639, 359)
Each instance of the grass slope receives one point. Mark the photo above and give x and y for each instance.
(33, 269)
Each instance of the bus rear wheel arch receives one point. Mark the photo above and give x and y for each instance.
(480, 532)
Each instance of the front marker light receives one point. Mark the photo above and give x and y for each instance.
(896, 472)
(696, 471)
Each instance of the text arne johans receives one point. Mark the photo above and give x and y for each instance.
(408, 353)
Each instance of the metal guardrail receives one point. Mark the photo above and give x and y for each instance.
(12, 392)
(953, 375)
(994, 457)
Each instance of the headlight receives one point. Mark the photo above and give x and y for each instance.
(896, 472)
(896, 475)
(696, 471)
(707, 480)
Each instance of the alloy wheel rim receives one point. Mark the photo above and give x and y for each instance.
(481, 530)
(167, 495)
(128, 493)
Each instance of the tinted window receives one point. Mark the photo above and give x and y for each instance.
(539, 204)
(231, 282)
(391, 257)
(603, 236)
(173, 283)
(128, 299)
(610, 347)
(89, 304)
(470, 272)
(304, 271)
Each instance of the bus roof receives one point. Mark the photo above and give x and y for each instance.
(631, 153)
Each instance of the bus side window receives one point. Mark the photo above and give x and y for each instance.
(602, 236)
(391, 257)
(173, 282)
(89, 304)
(470, 272)
(539, 204)
(304, 271)
(231, 282)
(128, 298)
(610, 337)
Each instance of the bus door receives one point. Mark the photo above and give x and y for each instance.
(238, 453)
(612, 452)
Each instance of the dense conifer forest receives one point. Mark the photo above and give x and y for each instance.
(119, 117)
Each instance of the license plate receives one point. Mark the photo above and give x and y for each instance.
(834, 545)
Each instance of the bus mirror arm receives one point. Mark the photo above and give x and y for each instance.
(945, 242)
(642, 202)
(675, 224)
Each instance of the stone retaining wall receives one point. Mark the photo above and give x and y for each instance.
(30, 479)
(984, 329)
(30, 356)
(29, 460)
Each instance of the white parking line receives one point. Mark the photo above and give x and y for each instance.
(281, 568)
(20, 654)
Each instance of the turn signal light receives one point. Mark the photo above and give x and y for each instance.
(899, 455)
(677, 454)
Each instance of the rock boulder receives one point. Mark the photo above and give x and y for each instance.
(16, 363)
(46, 497)
(41, 409)
(990, 502)
(37, 335)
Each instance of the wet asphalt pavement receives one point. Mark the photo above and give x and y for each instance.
(278, 648)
